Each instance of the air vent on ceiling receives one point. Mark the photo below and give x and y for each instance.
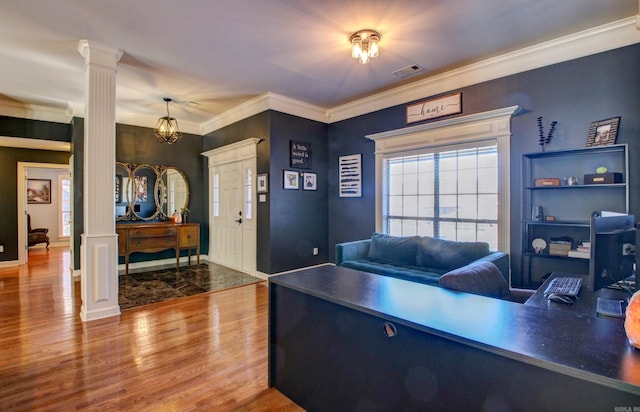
(408, 71)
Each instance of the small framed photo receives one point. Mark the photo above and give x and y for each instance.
(38, 191)
(291, 180)
(603, 132)
(309, 181)
(263, 183)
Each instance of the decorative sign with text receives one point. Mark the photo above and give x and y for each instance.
(430, 109)
(300, 155)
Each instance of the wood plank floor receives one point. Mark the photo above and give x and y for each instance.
(205, 352)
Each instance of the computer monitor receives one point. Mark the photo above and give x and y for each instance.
(613, 240)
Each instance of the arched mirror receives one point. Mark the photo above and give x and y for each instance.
(172, 190)
(143, 182)
(123, 194)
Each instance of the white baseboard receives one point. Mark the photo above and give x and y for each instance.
(306, 267)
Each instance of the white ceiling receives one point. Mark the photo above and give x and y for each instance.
(212, 55)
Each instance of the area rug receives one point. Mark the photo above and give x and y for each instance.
(137, 289)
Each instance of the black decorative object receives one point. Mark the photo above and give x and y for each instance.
(543, 140)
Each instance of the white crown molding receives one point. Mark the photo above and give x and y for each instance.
(266, 101)
(35, 112)
(38, 144)
(595, 40)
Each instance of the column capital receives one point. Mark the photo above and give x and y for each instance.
(98, 53)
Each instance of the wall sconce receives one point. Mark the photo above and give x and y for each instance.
(166, 130)
(364, 45)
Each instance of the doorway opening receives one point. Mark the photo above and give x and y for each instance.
(52, 212)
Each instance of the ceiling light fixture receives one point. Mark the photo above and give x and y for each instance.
(166, 130)
(364, 45)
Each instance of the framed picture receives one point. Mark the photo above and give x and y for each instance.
(309, 181)
(263, 183)
(38, 191)
(603, 132)
(434, 108)
(350, 175)
(291, 180)
(300, 155)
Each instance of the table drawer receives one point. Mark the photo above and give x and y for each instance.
(149, 232)
(146, 244)
(189, 236)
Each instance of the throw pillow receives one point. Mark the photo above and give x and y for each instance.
(481, 278)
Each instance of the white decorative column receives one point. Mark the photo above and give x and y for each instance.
(99, 242)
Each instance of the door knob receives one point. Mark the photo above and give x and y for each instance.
(239, 220)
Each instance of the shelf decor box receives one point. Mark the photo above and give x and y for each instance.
(559, 249)
(546, 181)
(603, 178)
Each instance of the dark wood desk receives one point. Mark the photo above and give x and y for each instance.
(584, 305)
(341, 339)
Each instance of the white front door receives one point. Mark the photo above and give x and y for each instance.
(233, 231)
(227, 221)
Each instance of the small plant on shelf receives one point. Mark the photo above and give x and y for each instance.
(543, 140)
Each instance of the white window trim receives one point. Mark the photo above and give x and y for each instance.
(60, 179)
(495, 124)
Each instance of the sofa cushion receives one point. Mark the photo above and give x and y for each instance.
(411, 273)
(447, 254)
(481, 278)
(394, 249)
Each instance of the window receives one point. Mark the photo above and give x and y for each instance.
(248, 193)
(449, 193)
(64, 219)
(447, 178)
(216, 195)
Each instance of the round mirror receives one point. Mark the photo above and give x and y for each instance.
(123, 196)
(143, 182)
(172, 191)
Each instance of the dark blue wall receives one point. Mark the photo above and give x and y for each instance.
(574, 93)
(138, 145)
(298, 218)
(290, 223)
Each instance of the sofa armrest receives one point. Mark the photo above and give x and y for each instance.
(501, 260)
(356, 250)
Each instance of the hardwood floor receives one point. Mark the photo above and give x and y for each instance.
(204, 352)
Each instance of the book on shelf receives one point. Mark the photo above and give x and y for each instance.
(579, 254)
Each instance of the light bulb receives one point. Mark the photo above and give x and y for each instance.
(373, 48)
(356, 49)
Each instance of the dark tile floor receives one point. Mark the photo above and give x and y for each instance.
(138, 289)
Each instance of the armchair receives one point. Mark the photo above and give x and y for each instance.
(37, 235)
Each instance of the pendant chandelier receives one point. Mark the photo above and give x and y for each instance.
(166, 130)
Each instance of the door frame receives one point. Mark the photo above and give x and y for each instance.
(242, 151)
(23, 256)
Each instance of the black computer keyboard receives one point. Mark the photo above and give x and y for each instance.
(569, 286)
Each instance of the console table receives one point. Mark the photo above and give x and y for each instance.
(342, 339)
(156, 237)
